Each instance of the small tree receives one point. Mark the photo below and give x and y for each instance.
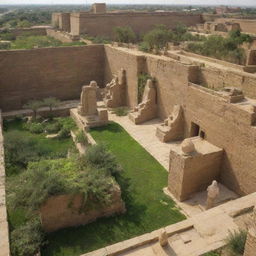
(34, 105)
(158, 38)
(51, 102)
(124, 35)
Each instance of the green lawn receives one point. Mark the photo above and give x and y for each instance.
(142, 182)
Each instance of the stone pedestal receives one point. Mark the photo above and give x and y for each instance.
(191, 172)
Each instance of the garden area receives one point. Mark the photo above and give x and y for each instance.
(29, 41)
(142, 179)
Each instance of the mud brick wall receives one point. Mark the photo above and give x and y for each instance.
(49, 72)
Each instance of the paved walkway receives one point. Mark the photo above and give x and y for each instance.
(145, 135)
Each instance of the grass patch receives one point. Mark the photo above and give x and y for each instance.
(142, 181)
(121, 111)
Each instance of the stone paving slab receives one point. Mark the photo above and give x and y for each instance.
(144, 134)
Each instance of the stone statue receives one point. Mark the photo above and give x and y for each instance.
(213, 192)
(172, 127)
(147, 109)
(163, 238)
(115, 92)
(187, 146)
(88, 100)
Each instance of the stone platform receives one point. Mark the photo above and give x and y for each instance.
(195, 236)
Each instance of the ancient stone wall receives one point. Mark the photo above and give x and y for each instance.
(59, 35)
(140, 22)
(131, 63)
(247, 26)
(39, 73)
(67, 210)
(4, 232)
(228, 126)
(34, 31)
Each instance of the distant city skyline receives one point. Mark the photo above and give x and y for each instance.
(166, 2)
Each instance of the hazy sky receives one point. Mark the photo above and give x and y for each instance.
(189, 2)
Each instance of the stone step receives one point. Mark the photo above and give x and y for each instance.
(163, 251)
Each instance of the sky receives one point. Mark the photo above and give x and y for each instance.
(186, 2)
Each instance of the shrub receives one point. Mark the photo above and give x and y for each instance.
(51, 103)
(157, 38)
(144, 47)
(64, 133)
(27, 239)
(81, 138)
(4, 45)
(121, 111)
(36, 128)
(100, 158)
(227, 49)
(52, 127)
(67, 123)
(236, 241)
(124, 35)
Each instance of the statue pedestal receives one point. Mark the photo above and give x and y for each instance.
(86, 122)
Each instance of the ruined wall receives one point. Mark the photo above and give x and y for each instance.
(247, 26)
(140, 22)
(35, 31)
(59, 35)
(226, 125)
(219, 78)
(115, 60)
(66, 210)
(4, 232)
(39, 73)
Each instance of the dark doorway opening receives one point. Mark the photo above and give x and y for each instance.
(194, 130)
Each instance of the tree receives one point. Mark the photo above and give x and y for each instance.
(158, 38)
(124, 35)
(34, 105)
(51, 102)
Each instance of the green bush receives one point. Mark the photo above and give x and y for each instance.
(124, 35)
(144, 47)
(100, 158)
(64, 133)
(227, 49)
(8, 36)
(52, 127)
(157, 38)
(36, 128)
(27, 239)
(236, 241)
(81, 137)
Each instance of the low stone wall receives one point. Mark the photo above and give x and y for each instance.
(4, 231)
(62, 36)
(36, 31)
(69, 210)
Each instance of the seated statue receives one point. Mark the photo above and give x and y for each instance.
(147, 109)
(87, 108)
(172, 127)
(115, 95)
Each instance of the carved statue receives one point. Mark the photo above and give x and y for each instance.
(88, 100)
(172, 127)
(147, 109)
(163, 238)
(213, 192)
(115, 95)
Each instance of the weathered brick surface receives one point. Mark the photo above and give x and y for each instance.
(140, 22)
(39, 73)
